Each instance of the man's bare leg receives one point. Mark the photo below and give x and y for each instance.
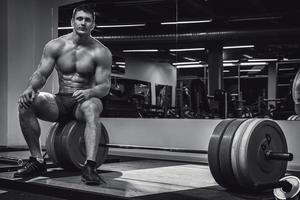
(89, 111)
(31, 131)
(43, 107)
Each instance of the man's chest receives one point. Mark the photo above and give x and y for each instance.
(79, 60)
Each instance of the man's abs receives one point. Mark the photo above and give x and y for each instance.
(72, 82)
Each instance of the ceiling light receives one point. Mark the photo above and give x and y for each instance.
(296, 59)
(120, 63)
(189, 49)
(191, 66)
(226, 71)
(253, 63)
(250, 70)
(121, 66)
(255, 18)
(190, 59)
(186, 63)
(286, 69)
(230, 64)
(140, 50)
(238, 47)
(283, 85)
(247, 56)
(120, 25)
(263, 60)
(230, 61)
(65, 28)
(288, 61)
(186, 22)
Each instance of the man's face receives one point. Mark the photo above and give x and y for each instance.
(83, 23)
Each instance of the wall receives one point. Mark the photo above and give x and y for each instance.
(3, 72)
(29, 27)
(153, 72)
(26, 27)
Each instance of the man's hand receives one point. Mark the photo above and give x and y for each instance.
(81, 95)
(27, 97)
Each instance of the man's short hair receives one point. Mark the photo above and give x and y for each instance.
(84, 7)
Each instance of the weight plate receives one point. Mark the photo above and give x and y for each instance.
(74, 144)
(61, 145)
(225, 155)
(252, 166)
(214, 149)
(282, 195)
(67, 141)
(295, 89)
(236, 145)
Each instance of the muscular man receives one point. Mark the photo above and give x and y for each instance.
(84, 66)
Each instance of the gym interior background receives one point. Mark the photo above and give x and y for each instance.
(172, 59)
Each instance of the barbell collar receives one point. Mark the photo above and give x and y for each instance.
(180, 150)
(285, 185)
(270, 155)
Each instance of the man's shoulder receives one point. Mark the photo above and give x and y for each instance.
(56, 44)
(102, 53)
(99, 47)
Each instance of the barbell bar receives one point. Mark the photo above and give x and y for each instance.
(278, 156)
(269, 154)
(179, 150)
(285, 185)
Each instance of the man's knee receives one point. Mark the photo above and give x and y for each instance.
(92, 108)
(35, 106)
(24, 111)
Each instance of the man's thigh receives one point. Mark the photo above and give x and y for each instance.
(45, 107)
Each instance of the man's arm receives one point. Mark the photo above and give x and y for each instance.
(102, 76)
(39, 77)
(45, 67)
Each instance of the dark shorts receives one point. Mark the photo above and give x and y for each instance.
(66, 106)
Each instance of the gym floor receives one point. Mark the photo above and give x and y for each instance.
(128, 179)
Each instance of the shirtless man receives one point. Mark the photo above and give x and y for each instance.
(84, 66)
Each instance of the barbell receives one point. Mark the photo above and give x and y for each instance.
(242, 153)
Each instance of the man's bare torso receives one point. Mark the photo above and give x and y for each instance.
(75, 63)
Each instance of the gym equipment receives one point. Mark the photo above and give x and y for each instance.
(199, 100)
(289, 190)
(242, 153)
(65, 145)
(294, 117)
(296, 92)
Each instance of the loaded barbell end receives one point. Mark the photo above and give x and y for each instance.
(270, 155)
(284, 185)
